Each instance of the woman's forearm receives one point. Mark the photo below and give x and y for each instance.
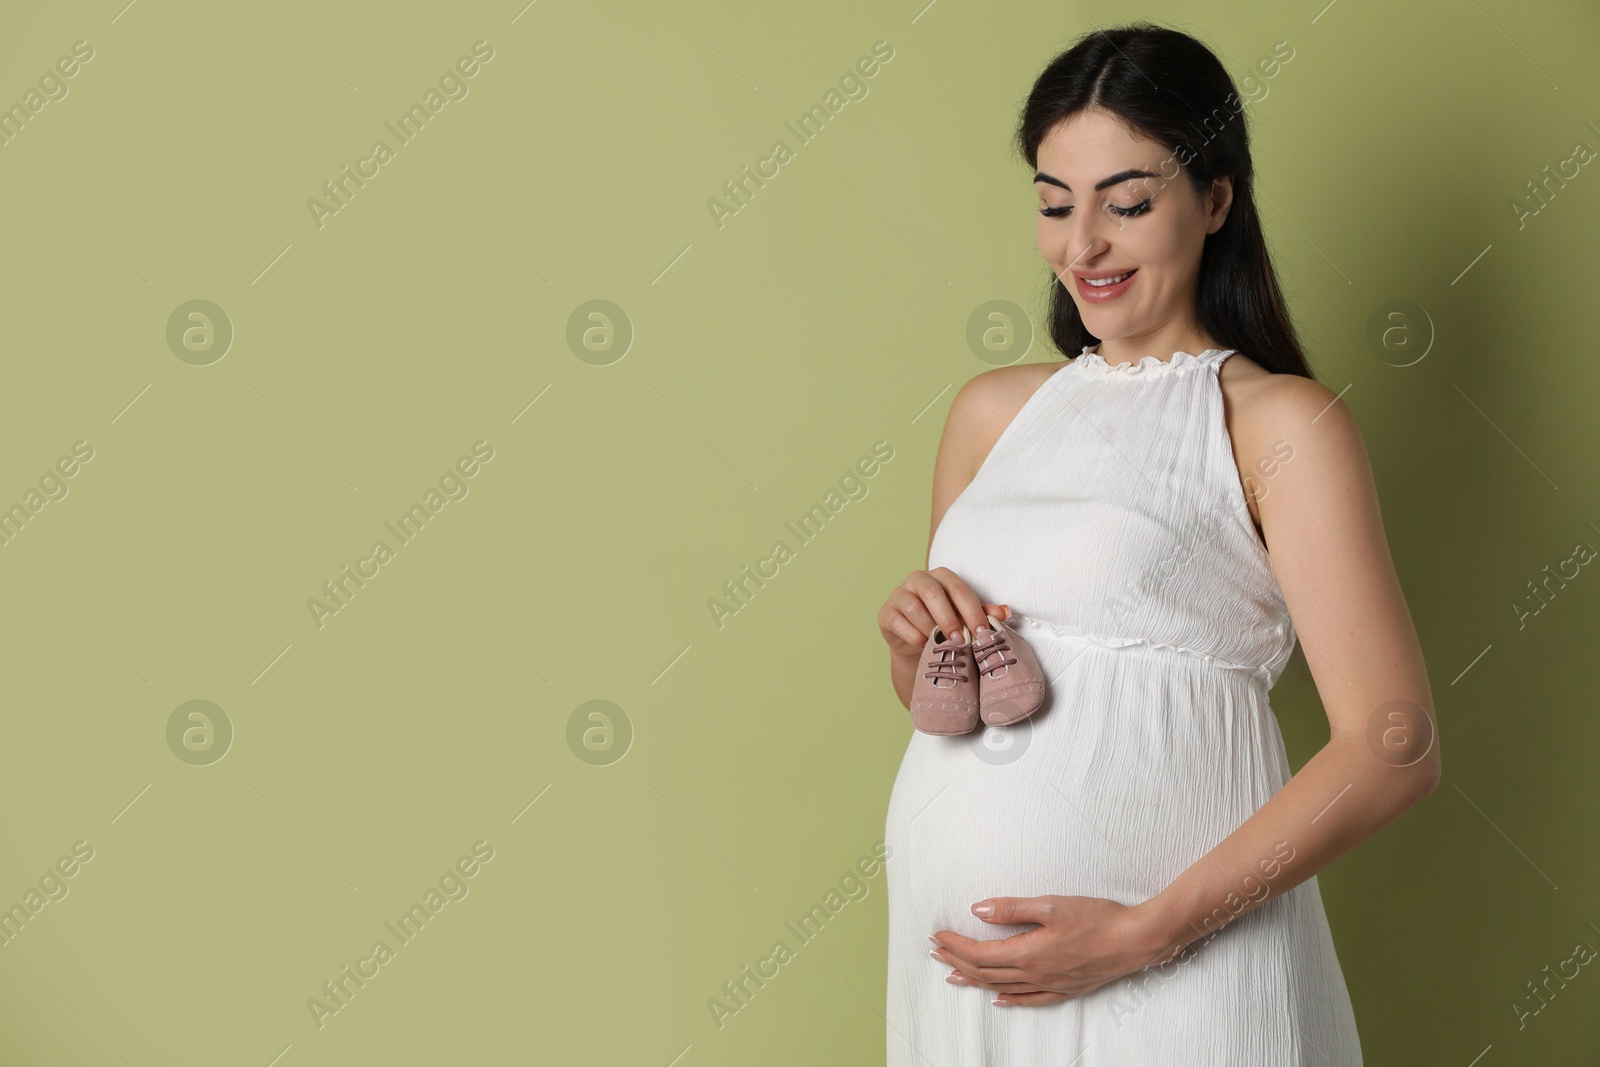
(1342, 796)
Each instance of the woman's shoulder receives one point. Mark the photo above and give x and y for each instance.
(1269, 413)
(1271, 400)
(986, 405)
(1002, 385)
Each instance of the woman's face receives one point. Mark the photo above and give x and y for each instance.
(1111, 203)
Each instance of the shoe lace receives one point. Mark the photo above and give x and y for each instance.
(994, 645)
(947, 666)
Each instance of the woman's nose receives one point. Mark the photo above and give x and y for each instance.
(1083, 248)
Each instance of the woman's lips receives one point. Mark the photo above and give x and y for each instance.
(1101, 293)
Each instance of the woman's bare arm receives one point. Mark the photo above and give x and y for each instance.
(1321, 520)
(979, 414)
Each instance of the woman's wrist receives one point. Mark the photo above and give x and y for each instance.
(1157, 930)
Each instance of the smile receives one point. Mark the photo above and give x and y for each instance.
(1107, 288)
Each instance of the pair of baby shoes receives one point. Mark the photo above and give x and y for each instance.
(990, 675)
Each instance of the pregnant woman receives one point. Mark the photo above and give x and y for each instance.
(1127, 876)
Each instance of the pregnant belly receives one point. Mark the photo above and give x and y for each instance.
(1138, 764)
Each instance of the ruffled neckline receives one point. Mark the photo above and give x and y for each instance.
(1147, 366)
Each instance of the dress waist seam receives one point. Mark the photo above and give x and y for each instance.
(1259, 672)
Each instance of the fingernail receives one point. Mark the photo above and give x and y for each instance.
(935, 955)
(984, 908)
(935, 940)
(1000, 1003)
(955, 979)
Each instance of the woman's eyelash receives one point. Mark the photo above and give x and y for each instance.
(1126, 212)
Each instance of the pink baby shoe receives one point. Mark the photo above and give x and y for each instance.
(1011, 683)
(944, 697)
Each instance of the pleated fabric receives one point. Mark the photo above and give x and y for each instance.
(1110, 516)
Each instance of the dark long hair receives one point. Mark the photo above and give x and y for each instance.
(1173, 89)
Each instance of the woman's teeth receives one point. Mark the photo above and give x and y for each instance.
(1097, 283)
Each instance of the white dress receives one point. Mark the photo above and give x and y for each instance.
(1110, 516)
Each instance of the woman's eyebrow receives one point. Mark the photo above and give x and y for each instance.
(1120, 176)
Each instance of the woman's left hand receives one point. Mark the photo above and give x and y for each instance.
(1081, 944)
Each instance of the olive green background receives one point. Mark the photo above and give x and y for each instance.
(752, 365)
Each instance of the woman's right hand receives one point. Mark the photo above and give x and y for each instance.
(927, 599)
